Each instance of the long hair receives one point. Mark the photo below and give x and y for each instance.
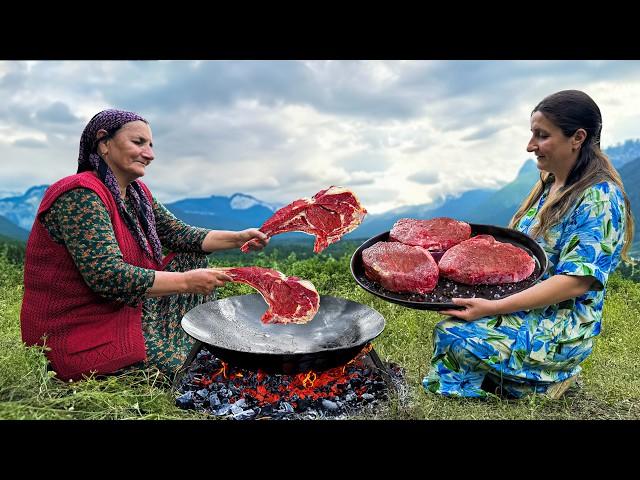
(570, 110)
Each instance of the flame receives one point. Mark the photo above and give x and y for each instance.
(222, 371)
(309, 379)
(310, 385)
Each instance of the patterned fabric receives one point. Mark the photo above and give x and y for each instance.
(79, 220)
(167, 343)
(112, 121)
(529, 350)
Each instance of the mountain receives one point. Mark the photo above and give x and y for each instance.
(455, 207)
(494, 207)
(10, 230)
(243, 211)
(630, 174)
(623, 153)
(21, 210)
(237, 212)
(501, 205)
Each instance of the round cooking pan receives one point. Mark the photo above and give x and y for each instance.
(440, 297)
(232, 330)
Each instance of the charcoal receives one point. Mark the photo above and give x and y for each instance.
(377, 386)
(329, 405)
(223, 409)
(244, 414)
(286, 407)
(205, 388)
(203, 393)
(185, 400)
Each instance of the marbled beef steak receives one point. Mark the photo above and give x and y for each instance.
(329, 215)
(290, 299)
(439, 233)
(483, 260)
(400, 268)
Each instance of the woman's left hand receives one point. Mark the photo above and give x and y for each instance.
(474, 308)
(258, 239)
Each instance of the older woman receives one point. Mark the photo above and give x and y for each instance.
(99, 293)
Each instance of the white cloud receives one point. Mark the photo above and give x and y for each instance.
(396, 132)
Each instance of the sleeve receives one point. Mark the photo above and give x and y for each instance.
(80, 221)
(590, 239)
(174, 233)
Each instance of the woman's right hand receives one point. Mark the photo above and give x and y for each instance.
(204, 280)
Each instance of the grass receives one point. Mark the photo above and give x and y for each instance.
(609, 386)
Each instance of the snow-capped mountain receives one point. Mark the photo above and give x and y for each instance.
(21, 210)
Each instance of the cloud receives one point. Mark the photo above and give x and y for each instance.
(30, 143)
(398, 132)
(57, 112)
(425, 178)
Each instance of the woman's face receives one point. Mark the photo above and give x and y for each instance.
(555, 152)
(129, 151)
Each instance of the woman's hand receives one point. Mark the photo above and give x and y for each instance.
(474, 308)
(204, 280)
(258, 239)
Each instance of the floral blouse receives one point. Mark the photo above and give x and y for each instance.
(79, 220)
(588, 241)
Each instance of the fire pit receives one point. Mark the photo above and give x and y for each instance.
(208, 384)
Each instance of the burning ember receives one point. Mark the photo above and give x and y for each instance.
(213, 386)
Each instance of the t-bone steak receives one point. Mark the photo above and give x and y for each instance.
(290, 299)
(400, 268)
(435, 234)
(328, 215)
(484, 260)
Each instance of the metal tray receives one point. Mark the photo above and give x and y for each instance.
(440, 297)
(232, 330)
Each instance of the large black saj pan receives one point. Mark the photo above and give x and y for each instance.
(232, 331)
(445, 290)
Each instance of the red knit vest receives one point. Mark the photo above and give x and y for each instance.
(85, 331)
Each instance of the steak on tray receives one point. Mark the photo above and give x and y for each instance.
(484, 260)
(329, 215)
(435, 234)
(400, 268)
(290, 299)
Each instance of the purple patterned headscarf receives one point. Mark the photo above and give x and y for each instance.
(88, 159)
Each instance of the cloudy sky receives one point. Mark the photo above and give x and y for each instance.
(396, 132)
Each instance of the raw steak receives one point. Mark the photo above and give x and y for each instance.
(484, 260)
(400, 268)
(329, 215)
(290, 299)
(435, 234)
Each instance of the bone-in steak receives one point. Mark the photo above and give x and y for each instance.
(439, 233)
(484, 260)
(290, 299)
(329, 215)
(400, 268)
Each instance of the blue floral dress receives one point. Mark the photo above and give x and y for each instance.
(527, 351)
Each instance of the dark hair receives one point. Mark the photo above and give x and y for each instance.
(571, 110)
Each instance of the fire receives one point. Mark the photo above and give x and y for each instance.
(270, 389)
(309, 379)
(222, 371)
